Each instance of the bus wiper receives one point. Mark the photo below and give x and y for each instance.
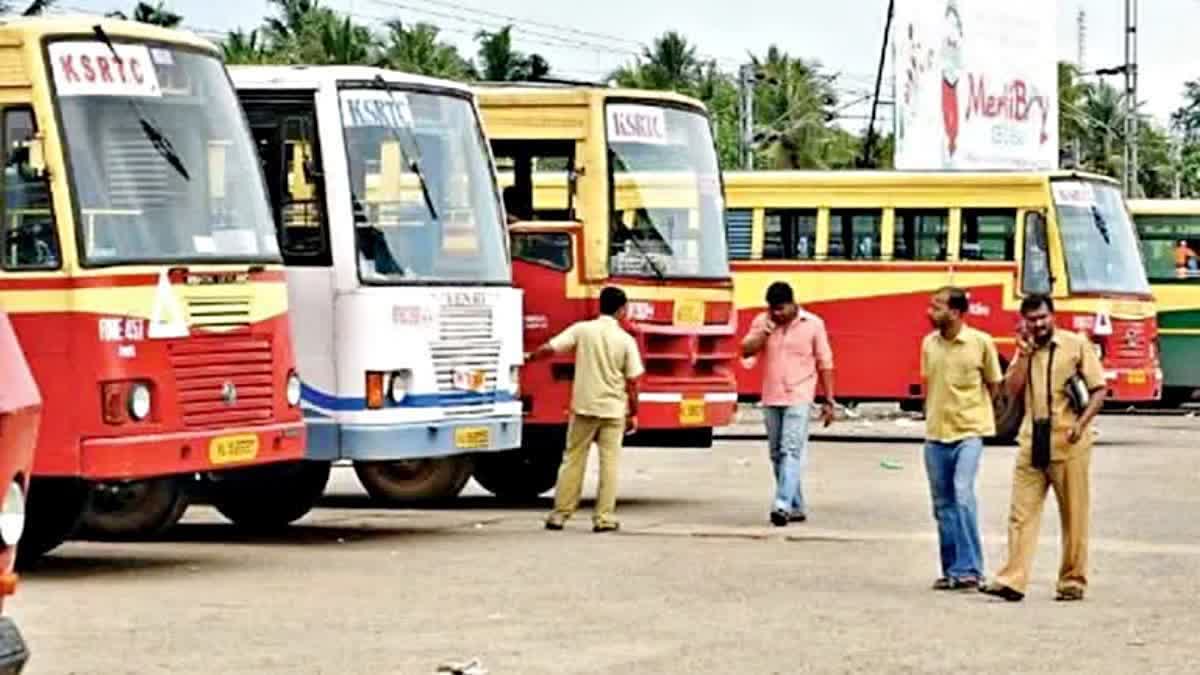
(414, 163)
(646, 256)
(157, 139)
(1098, 221)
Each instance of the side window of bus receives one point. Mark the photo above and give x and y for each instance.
(536, 179)
(30, 241)
(921, 235)
(287, 146)
(855, 235)
(550, 249)
(989, 234)
(739, 233)
(790, 234)
(1035, 276)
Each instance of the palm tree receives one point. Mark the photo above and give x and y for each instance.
(32, 9)
(794, 105)
(294, 17)
(343, 42)
(156, 14)
(240, 47)
(500, 62)
(416, 49)
(670, 62)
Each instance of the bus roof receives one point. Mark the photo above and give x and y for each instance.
(884, 179)
(1165, 207)
(34, 28)
(560, 94)
(312, 77)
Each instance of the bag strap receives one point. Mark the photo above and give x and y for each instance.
(1049, 385)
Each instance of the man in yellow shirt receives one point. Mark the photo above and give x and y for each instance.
(1055, 447)
(604, 401)
(962, 375)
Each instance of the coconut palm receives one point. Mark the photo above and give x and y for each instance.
(417, 49)
(32, 9)
(499, 61)
(155, 14)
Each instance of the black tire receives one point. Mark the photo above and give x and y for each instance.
(527, 473)
(135, 509)
(671, 438)
(1176, 397)
(1009, 415)
(53, 513)
(400, 482)
(269, 497)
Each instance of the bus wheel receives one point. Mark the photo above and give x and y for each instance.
(270, 497)
(413, 480)
(53, 513)
(135, 509)
(1009, 414)
(1176, 397)
(518, 475)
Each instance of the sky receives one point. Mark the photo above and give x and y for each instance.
(587, 40)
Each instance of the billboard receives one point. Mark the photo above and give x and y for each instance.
(976, 84)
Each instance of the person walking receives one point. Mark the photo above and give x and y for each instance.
(796, 349)
(1062, 381)
(604, 405)
(962, 375)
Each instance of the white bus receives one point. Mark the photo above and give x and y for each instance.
(406, 325)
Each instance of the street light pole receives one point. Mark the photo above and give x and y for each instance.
(1130, 182)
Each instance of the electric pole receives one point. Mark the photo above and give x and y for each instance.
(1131, 123)
(869, 142)
(746, 80)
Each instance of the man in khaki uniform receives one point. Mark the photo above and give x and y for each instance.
(1060, 459)
(604, 401)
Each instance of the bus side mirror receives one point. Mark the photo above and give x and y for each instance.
(1036, 277)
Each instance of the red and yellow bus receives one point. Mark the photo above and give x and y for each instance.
(623, 187)
(866, 249)
(20, 414)
(140, 268)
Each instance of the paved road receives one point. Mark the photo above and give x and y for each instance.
(696, 583)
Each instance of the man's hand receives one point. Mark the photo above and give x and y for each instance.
(1076, 433)
(631, 424)
(828, 409)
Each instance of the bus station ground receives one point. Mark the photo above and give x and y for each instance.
(696, 582)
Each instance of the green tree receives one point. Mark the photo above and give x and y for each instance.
(499, 61)
(417, 49)
(32, 9)
(795, 105)
(240, 47)
(155, 14)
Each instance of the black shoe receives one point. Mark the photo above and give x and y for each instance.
(1001, 591)
(779, 518)
(797, 518)
(606, 527)
(553, 524)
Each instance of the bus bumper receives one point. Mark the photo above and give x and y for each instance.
(1134, 385)
(149, 455)
(676, 410)
(13, 651)
(330, 441)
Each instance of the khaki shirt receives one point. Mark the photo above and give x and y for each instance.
(958, 404)
(605, 358)
(1073, 353)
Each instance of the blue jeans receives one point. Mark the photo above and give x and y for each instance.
(951, 468)
(787, 437)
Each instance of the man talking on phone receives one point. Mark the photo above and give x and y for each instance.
(797, 353)
(1059, 375)
(604, 404)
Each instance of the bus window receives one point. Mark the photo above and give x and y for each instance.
(550, 249)
(921, 235)
(988, 234)
(30, 242)
(1035, 276)
(739, 233)
(855, 235)
(536, 179)
(1170, 246)
(790, 234)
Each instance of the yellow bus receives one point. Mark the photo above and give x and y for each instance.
(630, 194)
(1169, 230)
(865, 249)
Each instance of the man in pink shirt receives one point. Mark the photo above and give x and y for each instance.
(797, 355)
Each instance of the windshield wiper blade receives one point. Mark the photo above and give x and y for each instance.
(646, 256)
(157, 139)
(1098, 221)
(414, 163)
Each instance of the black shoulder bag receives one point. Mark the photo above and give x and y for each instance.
(1042, 428)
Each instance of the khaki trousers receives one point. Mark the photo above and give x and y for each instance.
(608, 435)
(1070, 480)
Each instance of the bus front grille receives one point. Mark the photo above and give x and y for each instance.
(223, 381)
(221, 313)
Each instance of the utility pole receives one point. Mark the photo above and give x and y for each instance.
(869, 142)
(746, 80)
(1131, 123)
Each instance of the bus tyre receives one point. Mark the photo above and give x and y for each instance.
(1009, 413)
(412, 480)
(270, 497)
(53, 513)
(137, 509)
(519, 475)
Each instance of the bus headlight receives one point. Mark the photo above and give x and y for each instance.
(293, 389)
(139, 401)
(514, 377)
(398, 385)
(12, 515)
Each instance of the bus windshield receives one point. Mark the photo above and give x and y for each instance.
(1170, 246)
(1098, 239)
(666, 214)
(426, 207)
(161, 164)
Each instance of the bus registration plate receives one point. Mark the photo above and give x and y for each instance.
(469, 379)
(691, 411)
(1137, 377)
(230, 449)
(472, 438)
(689, 313)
